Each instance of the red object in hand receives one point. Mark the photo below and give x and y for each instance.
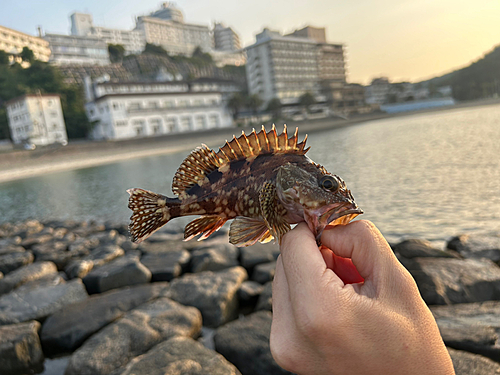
(343, 267)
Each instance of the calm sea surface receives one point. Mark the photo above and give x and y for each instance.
(428, 175)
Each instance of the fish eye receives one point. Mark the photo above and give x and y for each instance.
(329, 183)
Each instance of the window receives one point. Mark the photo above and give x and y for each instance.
(213, 121)
(200, 122)
(186, 123)
(53, 114)
(115, 106)
(54, 126)
(171, 124)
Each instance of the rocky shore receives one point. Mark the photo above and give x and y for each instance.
(80, 298)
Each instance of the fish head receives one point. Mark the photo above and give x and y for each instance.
(311, 194)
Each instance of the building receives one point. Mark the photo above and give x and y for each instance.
(282, 67)
(73, 49)
(378, 90)
(12, 42)
(315, 33)
(132, 40)
(36, 119)
(122, 110)
(225, 39)
(166, 28)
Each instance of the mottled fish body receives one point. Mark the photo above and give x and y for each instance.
(264, 181)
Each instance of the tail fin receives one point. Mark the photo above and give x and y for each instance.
(151, 211)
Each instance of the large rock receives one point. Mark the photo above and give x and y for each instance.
(214, 258)
(264, 272)
(472, 364)
(477, 246)
(258, 253)
(54, 251)
(472, 327)
(124, 271)
(249, 292)
(265, 301)
(9, 248)
(67, 329)
(448, 281)
(20, 350)
(11, 262)
(245, 343)
(178, 356)
(28, 302)
(97, 257)
(416, 248)
(165, 266)
(134, 334)
(24, 274)
(213, 293)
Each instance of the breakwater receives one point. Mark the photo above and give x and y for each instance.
(82, 292)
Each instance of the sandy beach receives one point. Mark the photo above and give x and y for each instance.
(20, 164)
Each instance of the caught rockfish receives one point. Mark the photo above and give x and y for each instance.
(264, 181)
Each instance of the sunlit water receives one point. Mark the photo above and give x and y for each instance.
(428, 175)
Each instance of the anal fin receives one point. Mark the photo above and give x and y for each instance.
(245, 231)
(205, 225)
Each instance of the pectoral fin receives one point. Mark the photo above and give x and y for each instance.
(245, 231)
(273, 211)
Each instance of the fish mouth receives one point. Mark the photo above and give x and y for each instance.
(339, 215)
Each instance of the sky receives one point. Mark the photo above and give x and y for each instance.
(404, 40)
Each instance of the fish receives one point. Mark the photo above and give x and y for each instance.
(263, 181)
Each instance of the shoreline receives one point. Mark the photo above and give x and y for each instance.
(16, 165)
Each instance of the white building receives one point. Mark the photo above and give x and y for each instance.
(12, 42)
(166, 28)
(226, 39)
(73, 49)
(37, 119)
(139, 109)
(132, 40)
(282, 67)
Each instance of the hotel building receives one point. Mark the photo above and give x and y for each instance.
(12, 42)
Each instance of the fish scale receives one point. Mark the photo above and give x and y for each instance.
(264, 181)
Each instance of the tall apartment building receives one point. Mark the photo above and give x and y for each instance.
(226, 39)
(12, 42)
(282, 67)
(166, 27)
(74, 49)
(36, 119)
(140, 109)
(132, 40)
(286, 67)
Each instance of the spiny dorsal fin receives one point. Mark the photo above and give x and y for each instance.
(203, 160)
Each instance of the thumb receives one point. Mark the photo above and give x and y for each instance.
(363, 243)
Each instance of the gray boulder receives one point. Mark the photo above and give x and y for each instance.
(476, 246)
(178, 356)
(9, 248)
(20, 349)
(472, 327)
(24, 274)
(97, 257)
(265, 301)
(214, 258)
(258, 253)
(54, 251)
(65, 330)
(134, 334)
(165, 266)
(11, 262)
(124, 271)
(416, 248)
(249, 292)
(245, 343)
(264, 272)
(472, 364)
(448, 281)
(213, 293)
(27, 302)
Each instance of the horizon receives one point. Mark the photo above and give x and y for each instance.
(368, 30)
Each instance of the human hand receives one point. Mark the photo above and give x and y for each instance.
(323, 325)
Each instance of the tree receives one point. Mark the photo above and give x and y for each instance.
(155, 49)
(235, 103)
(306, 100)
(4, 58)
(274, 106)
(200, 56)
(27, 55)
(116, 53)
(254, 102)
